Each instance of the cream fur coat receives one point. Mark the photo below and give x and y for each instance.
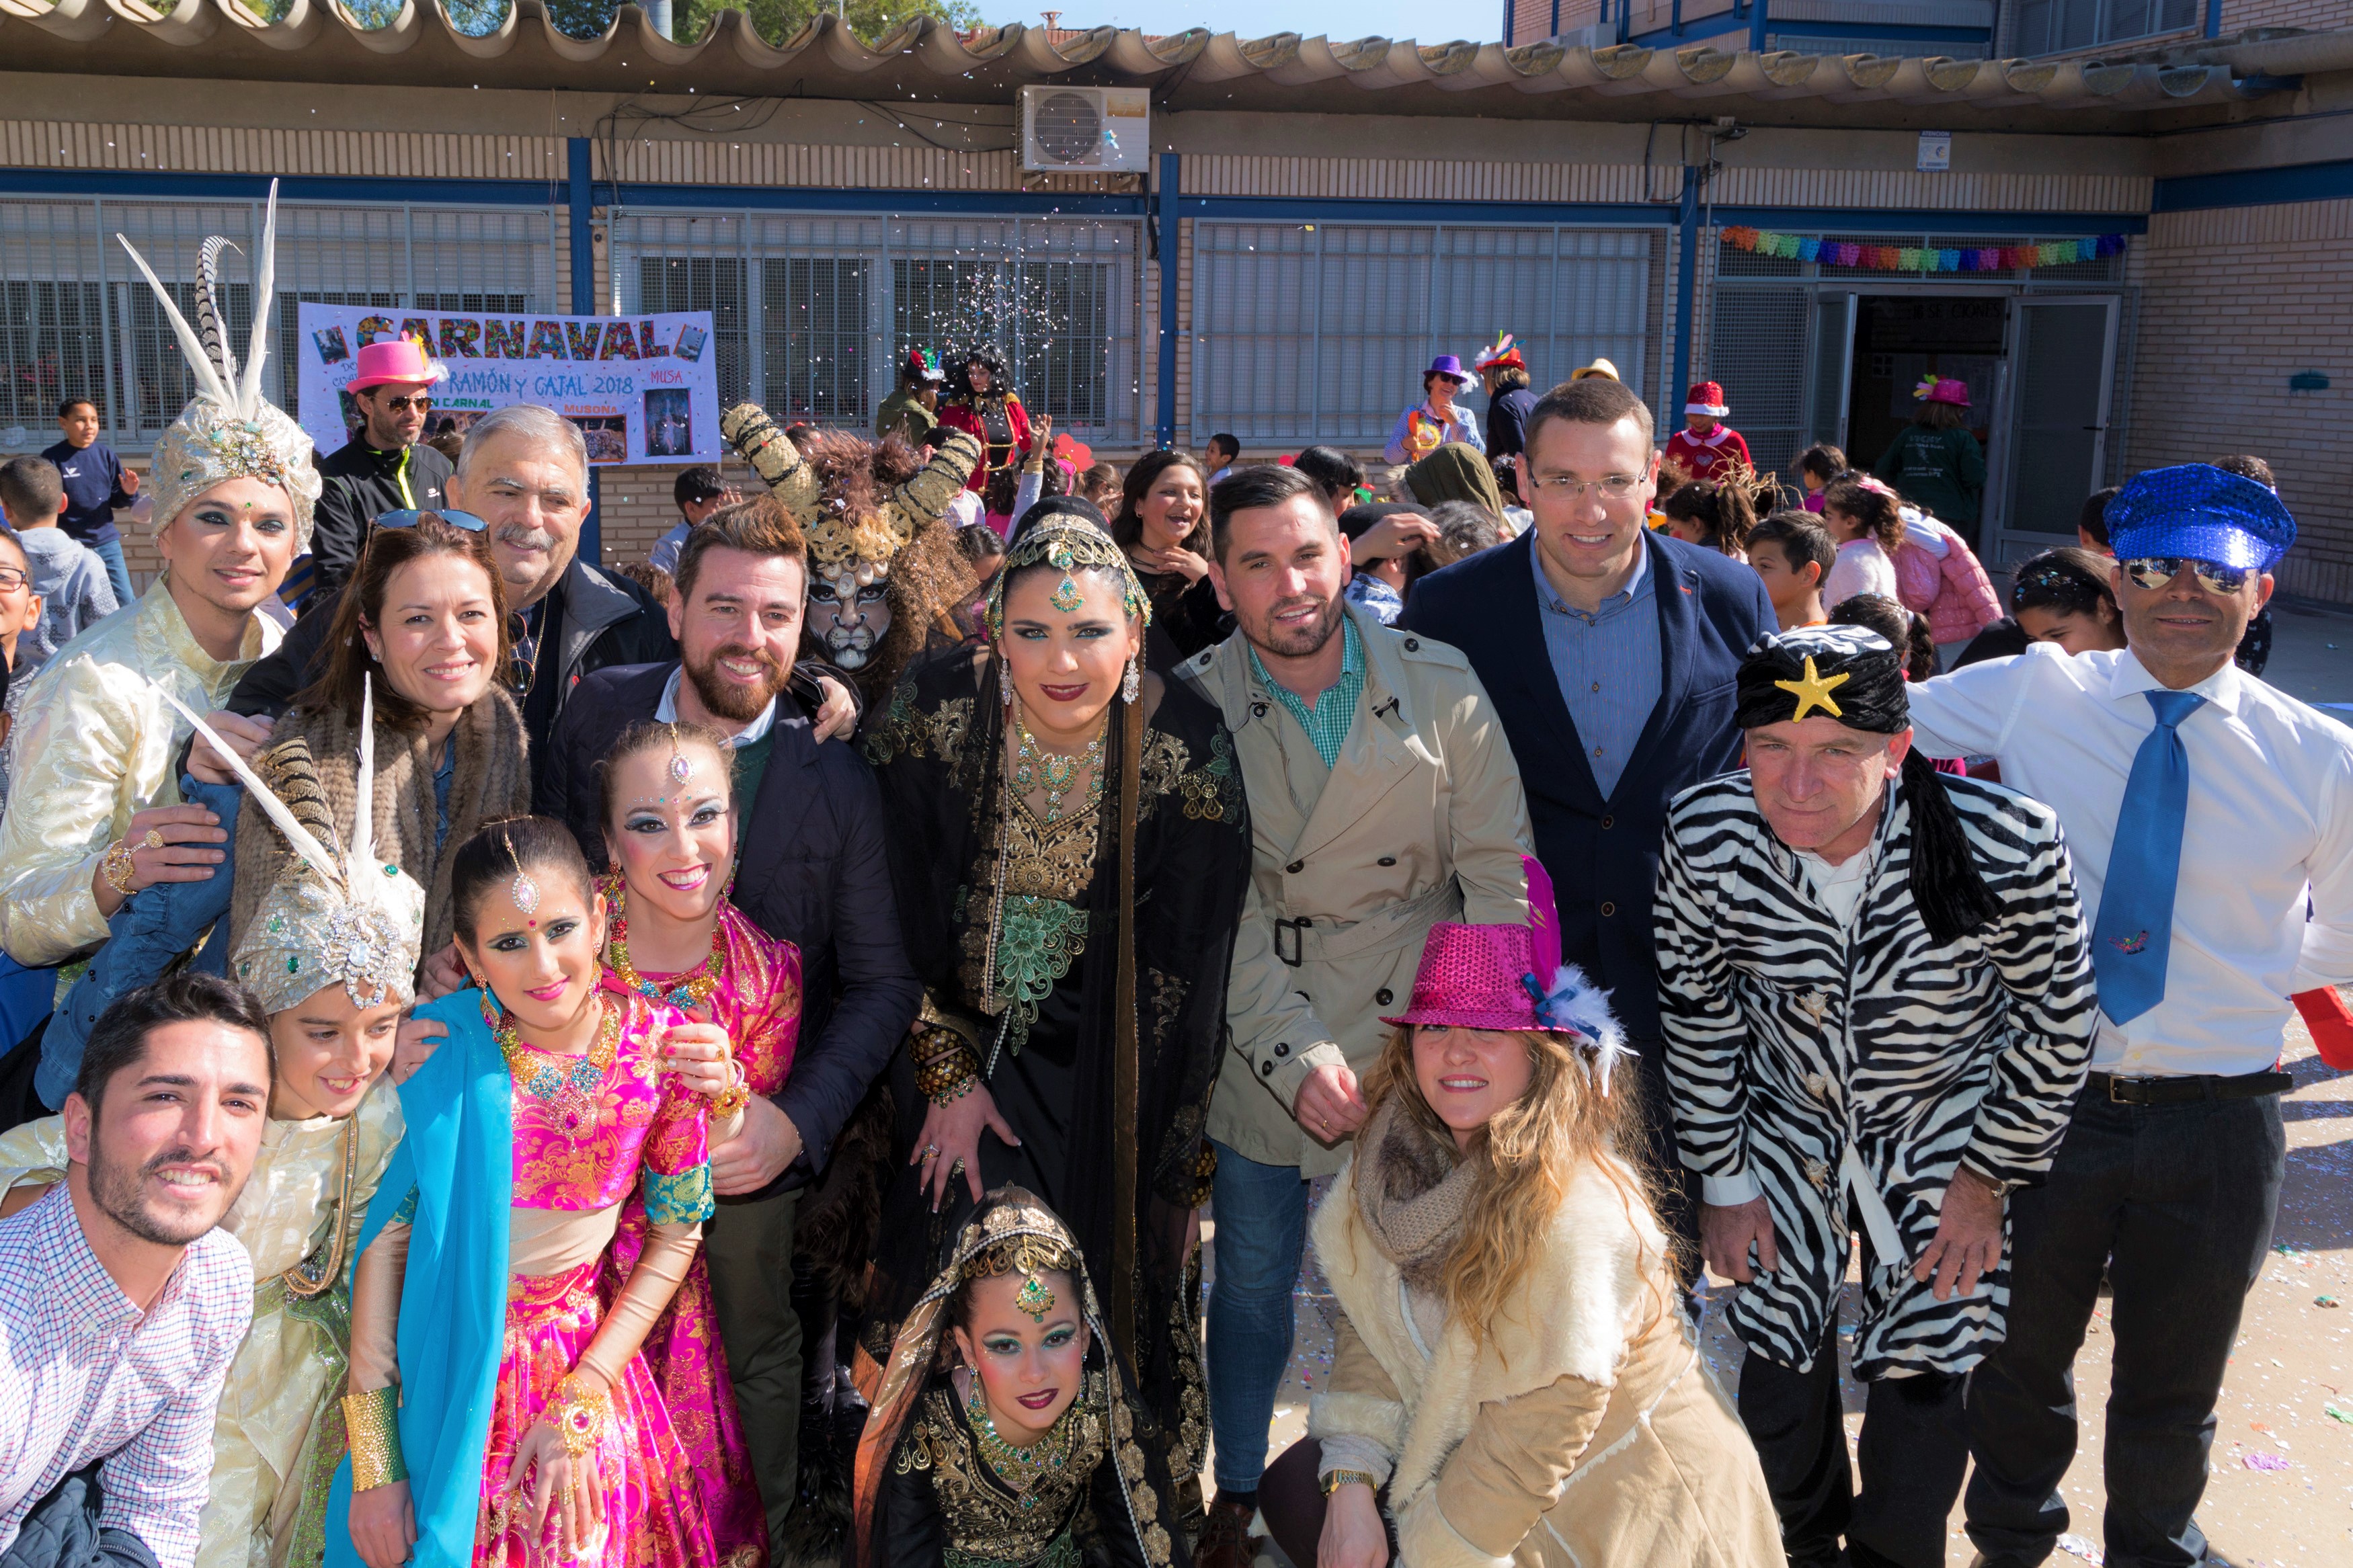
(1583, 1430)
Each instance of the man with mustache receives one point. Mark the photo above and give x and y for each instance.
(810, 870)
(122, 1300)
(1383, 800)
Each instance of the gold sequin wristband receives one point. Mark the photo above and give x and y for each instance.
(371, 1422)
(579, 1412)
(117, 869)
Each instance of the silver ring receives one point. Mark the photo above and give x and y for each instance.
(931, 1152)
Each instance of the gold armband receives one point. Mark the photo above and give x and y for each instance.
(371, 1422)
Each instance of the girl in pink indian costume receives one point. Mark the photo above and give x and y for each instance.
(501, 1412)
(673, 937)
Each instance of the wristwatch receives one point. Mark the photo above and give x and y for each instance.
(1332, 1480)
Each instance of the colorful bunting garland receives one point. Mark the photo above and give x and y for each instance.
(1915, 258)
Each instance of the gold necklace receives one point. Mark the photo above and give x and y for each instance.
(1022, 1469)
(1034, 765)
(694, 990)
(573, 1096)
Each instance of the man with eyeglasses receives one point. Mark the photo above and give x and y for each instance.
(2210, 819)
(1612, 653)
(385, 466)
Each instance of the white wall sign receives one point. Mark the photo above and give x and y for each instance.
(1936, 151)
(643, 389)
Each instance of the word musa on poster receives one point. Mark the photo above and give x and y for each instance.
(643, 389)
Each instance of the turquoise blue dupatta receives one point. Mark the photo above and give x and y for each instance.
(452, 1174)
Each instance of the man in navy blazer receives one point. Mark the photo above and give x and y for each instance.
(1610, 653)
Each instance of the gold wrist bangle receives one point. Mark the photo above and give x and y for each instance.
(117, 867)
(579, 1412)
(1334, 1479)
(732, 1098)
(371, 1423)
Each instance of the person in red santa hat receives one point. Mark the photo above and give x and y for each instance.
(1705, 440)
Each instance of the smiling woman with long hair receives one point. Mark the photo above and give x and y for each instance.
(423, 619)
(1162, 525)
(1036, 789)
(1513, 1377)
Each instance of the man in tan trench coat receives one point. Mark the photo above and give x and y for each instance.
(1383, 799)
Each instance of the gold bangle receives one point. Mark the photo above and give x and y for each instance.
(372, 1425)
(1334, 1479)
(579, 1412)
(117, 867)
(732, 1098)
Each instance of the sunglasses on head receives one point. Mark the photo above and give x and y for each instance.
(2155, 571)
(406, 517)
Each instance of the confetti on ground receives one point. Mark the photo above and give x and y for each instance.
(2327, 1301)
(2077, 1546)
(2337, 1412)
(2261, 1461)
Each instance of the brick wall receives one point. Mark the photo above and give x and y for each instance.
(2212, 379)
(2312, 14)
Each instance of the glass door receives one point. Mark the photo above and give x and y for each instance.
(2063, 352)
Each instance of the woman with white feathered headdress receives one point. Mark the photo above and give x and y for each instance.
(98, 815)
(331, 955)
(1512, 1380)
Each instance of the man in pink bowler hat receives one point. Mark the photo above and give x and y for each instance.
(385, 466)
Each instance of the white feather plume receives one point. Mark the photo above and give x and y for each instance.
(363, 847)
(209, 384)
(265, 287)
(313, 852)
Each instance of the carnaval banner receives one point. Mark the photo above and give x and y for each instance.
(643, 389)
(1912, 258)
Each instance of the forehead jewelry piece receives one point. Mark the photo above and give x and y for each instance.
(1066, 598)
(680, 768)
(523, 889)
(1035, 1298)
(1814, 691)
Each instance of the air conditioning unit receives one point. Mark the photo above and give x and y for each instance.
(1104, 130)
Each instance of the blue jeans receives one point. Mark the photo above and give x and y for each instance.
(151, 930)
(1261, 1231)
(118, 575)
(2178, 1201)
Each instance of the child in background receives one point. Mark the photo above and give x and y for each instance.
(70, 580)
(985, 548)
(1940, 576)
(1705, 440)
(1717, 513)
(1818, 465)
(2062, 596)
(1100, 484)
(1863, 516)
(1793, 554)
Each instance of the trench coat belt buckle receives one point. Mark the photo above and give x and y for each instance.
(1394, 926)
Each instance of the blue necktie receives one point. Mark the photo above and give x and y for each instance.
(2133, 935)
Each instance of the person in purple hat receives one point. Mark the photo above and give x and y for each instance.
(1513, 1375)
(2210, 820)
(1436, 420)
(1878, 1011)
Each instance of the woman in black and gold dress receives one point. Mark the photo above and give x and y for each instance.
(1004, 1434)
(1069, 849)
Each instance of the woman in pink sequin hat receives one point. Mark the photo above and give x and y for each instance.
(1511, 1333)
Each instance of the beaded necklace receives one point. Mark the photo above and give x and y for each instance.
(695, 989)
(573, 1094)
(1022, 1469)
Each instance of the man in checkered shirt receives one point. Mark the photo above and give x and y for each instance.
(122, 1300)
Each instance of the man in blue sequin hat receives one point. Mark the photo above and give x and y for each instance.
(2210, 821)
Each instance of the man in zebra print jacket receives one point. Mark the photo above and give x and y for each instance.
(1878, 1009)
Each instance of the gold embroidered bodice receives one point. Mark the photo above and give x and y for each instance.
(985, 1519)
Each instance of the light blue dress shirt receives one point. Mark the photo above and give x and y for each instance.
(1608, 664)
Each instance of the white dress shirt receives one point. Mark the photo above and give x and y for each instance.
(2270, 826)
(666, 711)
